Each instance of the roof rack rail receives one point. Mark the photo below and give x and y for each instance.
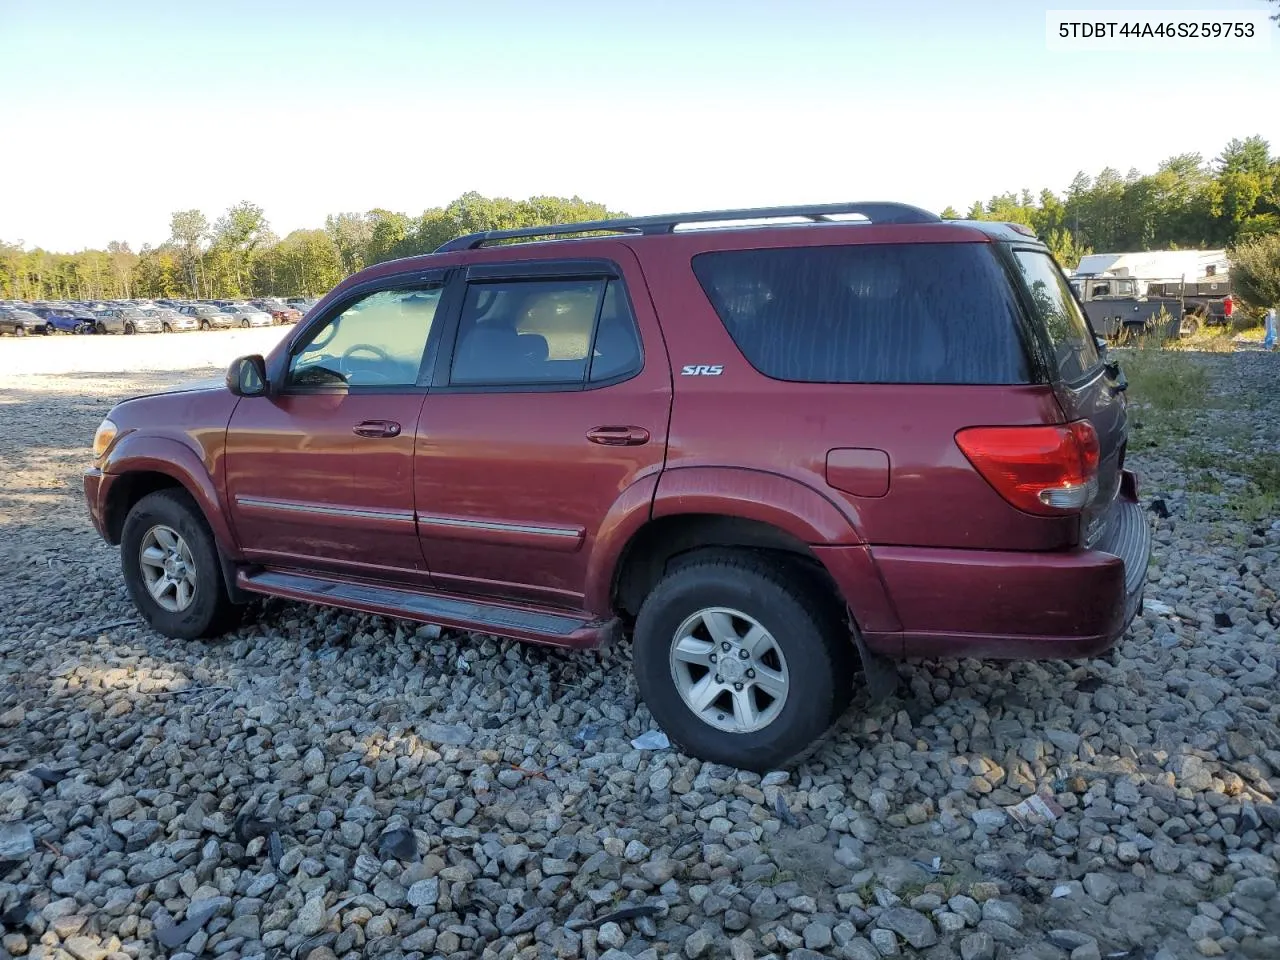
(875, 212)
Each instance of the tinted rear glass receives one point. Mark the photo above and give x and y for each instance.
(1074, 349)
(875, 313)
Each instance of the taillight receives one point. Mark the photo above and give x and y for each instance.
(1045, 470)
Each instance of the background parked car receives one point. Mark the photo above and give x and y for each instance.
(58, 319)
(207, 315)
(244, 315)
(171, 320)
(19, 321)
(127, 320)
(280, 311)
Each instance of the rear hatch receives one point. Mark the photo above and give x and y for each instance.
(1086, 386)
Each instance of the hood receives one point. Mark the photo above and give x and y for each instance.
(209, 385)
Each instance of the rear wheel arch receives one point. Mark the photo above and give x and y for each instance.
(667, 543)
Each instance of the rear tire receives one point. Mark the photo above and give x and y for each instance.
(50, 329)
(205, 325)
(19, 330)
(100, 327)
(209, 611)
(244, 324)
(167, 329)
(128, 329)
(809, 655)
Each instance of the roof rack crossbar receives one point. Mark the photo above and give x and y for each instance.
(875, 212)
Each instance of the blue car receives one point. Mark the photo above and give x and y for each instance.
(62, 320)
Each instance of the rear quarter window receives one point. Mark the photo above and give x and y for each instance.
(1075, 352)
(873, 313)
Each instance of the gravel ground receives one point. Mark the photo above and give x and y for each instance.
(322, 784)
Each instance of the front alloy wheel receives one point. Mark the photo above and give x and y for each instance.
(168, 569)
(172, 569)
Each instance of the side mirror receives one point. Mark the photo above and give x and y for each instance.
(247, 376)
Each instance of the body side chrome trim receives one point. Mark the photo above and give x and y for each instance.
(292, 506)
(498, 527)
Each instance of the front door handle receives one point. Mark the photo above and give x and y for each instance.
(618, 436)
(376, 428)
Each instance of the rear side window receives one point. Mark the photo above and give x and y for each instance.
(547, 332)
(1075, 352)
(875, 313)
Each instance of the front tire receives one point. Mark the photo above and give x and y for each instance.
(100, 327)
(50, 329)
(742, 660)
(245, 324)
(171, 567)
(167, 329)
(19, 330)
(205, 325)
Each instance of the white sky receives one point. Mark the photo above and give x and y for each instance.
(128, 111)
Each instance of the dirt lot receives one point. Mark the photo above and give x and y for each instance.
(322, 784)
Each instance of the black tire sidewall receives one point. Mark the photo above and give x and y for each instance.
(209, 608)
(813, 698)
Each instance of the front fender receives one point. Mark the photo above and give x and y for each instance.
(771, 498)
(140, 453)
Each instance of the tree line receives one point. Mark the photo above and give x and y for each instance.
(1187, 202)
(238, 255)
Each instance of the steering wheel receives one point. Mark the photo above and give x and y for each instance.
(378, 355)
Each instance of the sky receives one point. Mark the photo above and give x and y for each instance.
(117, 114)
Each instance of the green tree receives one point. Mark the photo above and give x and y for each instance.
(188, 231)
(1255, 271)
(950, 213)
(350, 234)
(237, 236)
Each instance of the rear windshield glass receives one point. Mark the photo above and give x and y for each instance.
(1074, 349)
(874, 313)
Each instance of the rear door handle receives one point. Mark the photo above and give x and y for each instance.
(619, 436)
(376, 428)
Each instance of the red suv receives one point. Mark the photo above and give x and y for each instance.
(766, 445)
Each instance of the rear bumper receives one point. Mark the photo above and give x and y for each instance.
(1014, 605)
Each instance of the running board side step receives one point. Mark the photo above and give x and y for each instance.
(539, 625)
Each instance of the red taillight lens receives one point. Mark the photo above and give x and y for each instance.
(1045, 470)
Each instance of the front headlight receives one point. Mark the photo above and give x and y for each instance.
(102, 439)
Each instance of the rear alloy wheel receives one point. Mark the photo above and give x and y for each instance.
(19, 330)
(205, 325)
(128, 329)
(50, 329)
(244, 323)
(742, 661)
(171, 567)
